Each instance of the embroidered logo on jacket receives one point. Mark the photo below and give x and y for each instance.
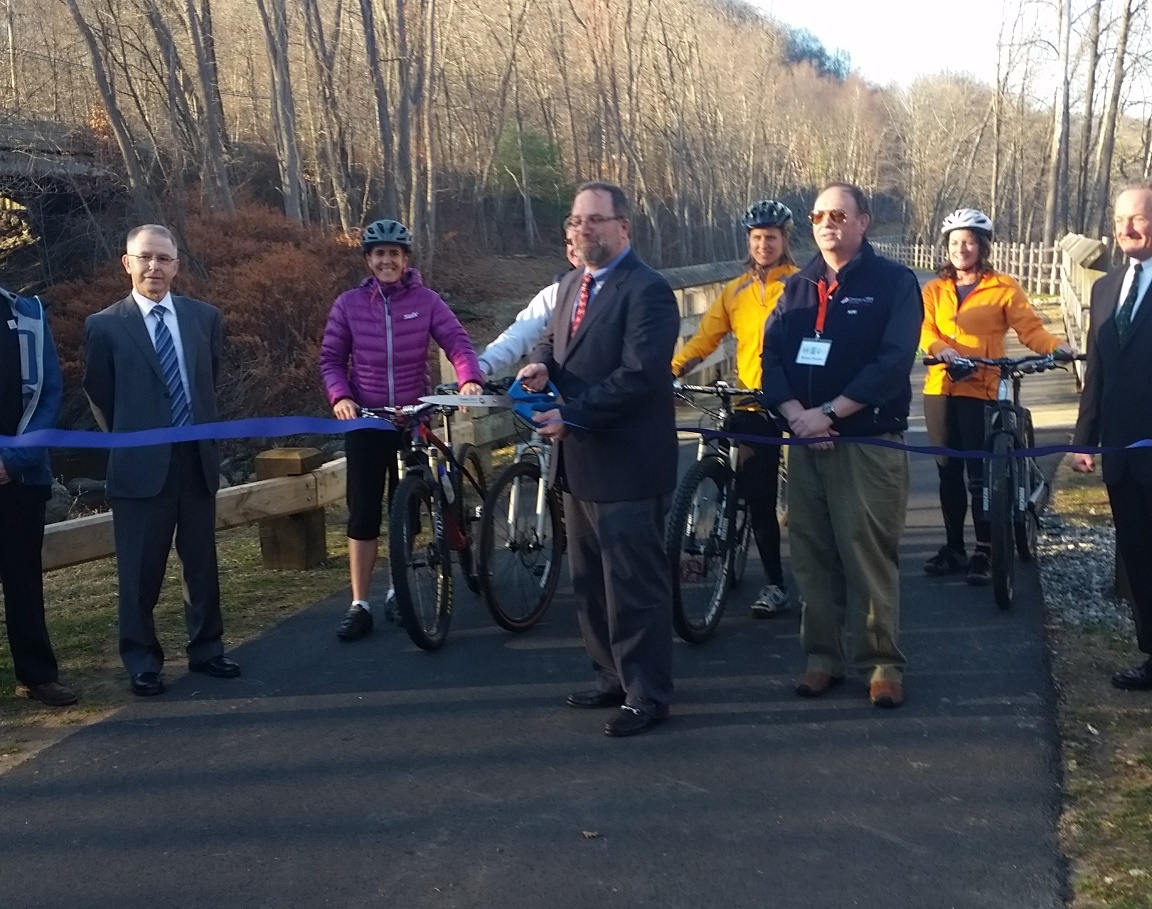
(411, 315)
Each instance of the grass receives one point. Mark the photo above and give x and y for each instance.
(1106, 741)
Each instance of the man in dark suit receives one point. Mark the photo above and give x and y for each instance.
(151, 361)
(608, 350)
(1116, 407)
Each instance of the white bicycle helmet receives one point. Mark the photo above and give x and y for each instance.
(967, 219)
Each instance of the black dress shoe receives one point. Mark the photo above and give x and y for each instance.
(1138, 678)
(593, 699)
(219, 667)
(146, 684)
(632, 721)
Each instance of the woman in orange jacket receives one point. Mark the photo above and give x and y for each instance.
(968, 310)
(742, 308)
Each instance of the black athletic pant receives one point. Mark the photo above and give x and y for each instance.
(371, 457)
(757, 482)
(965, 431)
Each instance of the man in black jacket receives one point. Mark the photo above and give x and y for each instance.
(838, 351)
(1116, 407)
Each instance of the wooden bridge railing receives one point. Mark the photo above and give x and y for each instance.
(1035, 266)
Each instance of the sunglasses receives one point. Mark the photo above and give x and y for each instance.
(835, 215)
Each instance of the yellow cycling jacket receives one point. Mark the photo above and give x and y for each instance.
(742, 308)
(978, 328)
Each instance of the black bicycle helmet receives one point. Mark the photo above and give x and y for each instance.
(767, 213)
(385, 231)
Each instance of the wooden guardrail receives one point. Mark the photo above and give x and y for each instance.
(86, 539)
(1079, 257)
(1035, 266)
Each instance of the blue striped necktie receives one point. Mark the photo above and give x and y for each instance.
(170, 366)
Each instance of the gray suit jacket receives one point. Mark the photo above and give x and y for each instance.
(125, 385)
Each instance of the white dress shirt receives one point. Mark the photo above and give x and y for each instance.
(1142, 290)
(173, 324)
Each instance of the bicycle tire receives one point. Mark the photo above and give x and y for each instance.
(519, 566)
(743, 539)
(1001, 510)
(470, 505)
(1028, 515)
(421, 564)
(702, 522)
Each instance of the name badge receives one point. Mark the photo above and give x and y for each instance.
(813, 352)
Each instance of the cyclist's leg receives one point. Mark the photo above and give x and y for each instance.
(364, 492)
(953, 492)
(756, 483)
(952, 556)
(968, 420)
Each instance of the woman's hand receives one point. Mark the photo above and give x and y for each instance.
(345, 409)
(471, 388)
(948, 355)
(1067, 349)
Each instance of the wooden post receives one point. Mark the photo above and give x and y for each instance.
(295, 541)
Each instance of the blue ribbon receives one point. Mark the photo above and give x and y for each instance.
(257, 427)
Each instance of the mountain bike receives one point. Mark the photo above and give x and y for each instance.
(1015, 491)
(436, 505)
(522, 528)
(708, 529)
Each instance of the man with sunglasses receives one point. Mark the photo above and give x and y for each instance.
(838, 352)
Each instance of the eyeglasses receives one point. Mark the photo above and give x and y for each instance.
(575, 223)
(159, 260)
(835, 215)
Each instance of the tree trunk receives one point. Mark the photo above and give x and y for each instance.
(214, 172)
(272, 14)
(1107, 141)
(383, 118)
(1056, 201)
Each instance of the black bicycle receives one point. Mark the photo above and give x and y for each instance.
(439, 500)
(1015, 490)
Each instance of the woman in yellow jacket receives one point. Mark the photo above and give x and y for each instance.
(968, 310)
(742, 308)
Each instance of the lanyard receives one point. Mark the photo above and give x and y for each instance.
(825, 293)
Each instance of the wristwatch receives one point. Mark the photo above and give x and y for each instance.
(828, 410)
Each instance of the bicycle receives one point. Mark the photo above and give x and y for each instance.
(522, 529)
(1015, 491)
(709, 528)
(439, 497)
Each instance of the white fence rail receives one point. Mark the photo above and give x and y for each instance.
(1036, 267)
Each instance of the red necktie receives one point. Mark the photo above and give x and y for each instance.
(582, 303)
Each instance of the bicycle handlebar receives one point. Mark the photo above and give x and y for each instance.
(1030, 363)
(719, 388)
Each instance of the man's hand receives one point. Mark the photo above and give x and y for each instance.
(813, 423)
(4, 478)
(471, 388)
(551, 425)
(534, 376)
(1083, 463)
(345, 409)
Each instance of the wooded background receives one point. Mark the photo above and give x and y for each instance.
(473, 120)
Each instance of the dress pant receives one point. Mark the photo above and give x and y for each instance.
(143, 529)
(622, 581)
(846, 511)
(1132, 514)
(21, 537)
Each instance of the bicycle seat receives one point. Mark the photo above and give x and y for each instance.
(527, 403)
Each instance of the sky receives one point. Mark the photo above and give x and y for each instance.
(898, 40)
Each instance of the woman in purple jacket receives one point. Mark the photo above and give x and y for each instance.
(375, 353)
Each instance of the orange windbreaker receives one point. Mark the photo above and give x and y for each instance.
(742, 308)
(978, 328)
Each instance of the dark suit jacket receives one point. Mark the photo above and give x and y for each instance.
(1116, 401)
(615, 377)
(126, 387)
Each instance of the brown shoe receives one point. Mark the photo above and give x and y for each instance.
(812, 684)
(886, 694)
(50, 694)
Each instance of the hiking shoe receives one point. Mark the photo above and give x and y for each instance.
(391, 612)
(772, 600)
(979, 569)
(946, 561)
(357, 623)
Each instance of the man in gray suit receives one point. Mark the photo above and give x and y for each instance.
(152, 361)
(608, 350)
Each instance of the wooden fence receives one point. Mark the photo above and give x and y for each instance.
(1036, 267)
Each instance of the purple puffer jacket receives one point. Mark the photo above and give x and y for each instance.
(375, 348)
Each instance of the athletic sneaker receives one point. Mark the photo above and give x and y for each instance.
(979, 569)
(357, 623)
(946, 561)
(772, 600)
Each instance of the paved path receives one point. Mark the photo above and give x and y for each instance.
(373, 774)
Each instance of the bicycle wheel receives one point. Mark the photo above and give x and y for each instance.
(782, 488)
(470, 493)
(697, 542)
(420, 562)
(1000, 476)
(521, 546)
(1028, 515)
(741, 540)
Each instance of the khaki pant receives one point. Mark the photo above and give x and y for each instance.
(846, 510)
